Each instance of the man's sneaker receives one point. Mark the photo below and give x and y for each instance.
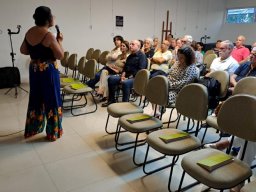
(210, 145)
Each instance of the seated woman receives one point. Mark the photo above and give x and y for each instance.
(112, 68)
(199, 53)
(147, 48)
(182, 72)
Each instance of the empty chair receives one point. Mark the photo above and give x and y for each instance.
(191, 102)
(103, 57)
(246, 85)
(117, 110)
(72, 64)
(88, 72)
(96, 55)
(237, 121)
(156, 93)
(64, 62)
(89, 53)
(208, 60)
(223, 78)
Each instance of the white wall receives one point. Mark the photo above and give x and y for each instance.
(231, 31)
(91, 23)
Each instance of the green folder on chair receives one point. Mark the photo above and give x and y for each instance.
(174, 137)
(67, 80)
(215, 161)
(139, 118)
(77, 86)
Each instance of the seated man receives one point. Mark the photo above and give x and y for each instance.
(160, 60)
(240, 52)
(134, 62)
(244, 70)
(187, 40)
(225, 62)
(217, 47)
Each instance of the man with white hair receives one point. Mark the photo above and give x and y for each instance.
(134, 62)
(187, 40)
(225, 62)
(240, 52)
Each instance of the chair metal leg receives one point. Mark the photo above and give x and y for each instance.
(153, 160)
(83, 105)
(131, 144)
(174, 160)
(178, 121)
(106, 130)
(181, 181)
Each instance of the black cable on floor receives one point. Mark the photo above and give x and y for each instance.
(11, 134)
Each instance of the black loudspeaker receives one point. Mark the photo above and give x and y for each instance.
(9, 77)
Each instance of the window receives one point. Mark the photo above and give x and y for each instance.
(243, 15)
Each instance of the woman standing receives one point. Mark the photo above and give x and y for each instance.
(44, 107)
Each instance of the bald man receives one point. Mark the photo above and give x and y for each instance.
(136, 61)
(240, 52)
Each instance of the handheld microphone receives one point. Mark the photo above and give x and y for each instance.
(57, 29)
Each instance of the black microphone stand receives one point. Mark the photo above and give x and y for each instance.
(10, 33)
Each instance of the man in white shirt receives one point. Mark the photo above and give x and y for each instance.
(160, 60)
(225, 62)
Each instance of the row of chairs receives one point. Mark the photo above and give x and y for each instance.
(69, 62)
(191, 102)
(85, 70)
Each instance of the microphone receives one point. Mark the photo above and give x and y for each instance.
(57, 29)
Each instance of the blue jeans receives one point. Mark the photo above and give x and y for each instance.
(113, 82)
(92, 82)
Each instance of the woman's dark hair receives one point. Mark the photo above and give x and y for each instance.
(118, 37)
(42, 16)
(141, 43)
(189, 54)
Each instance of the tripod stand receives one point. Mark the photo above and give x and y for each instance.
(16, 86)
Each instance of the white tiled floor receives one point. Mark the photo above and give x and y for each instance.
(84, 159)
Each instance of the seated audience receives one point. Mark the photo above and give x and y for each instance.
(199, 53)
(183, 72)
(155, 44)
(147, 48)
(225, 62)
(244, 70)
(111, 57)
(174, 52)
(134, 62)
(112, 69)
(187, 40)
(217, 47)
(240, 52)
(159, 62)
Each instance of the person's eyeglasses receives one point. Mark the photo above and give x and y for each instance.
(222, 48)
(253, 54)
